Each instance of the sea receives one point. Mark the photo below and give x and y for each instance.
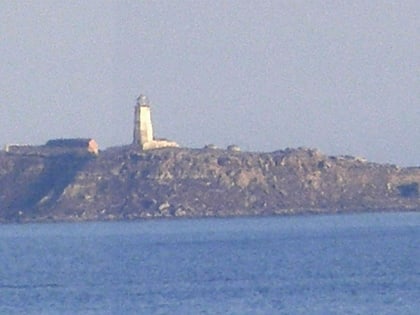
(313, 264)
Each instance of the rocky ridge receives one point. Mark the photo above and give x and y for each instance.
(125, 183)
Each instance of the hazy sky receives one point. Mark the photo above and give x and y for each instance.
(341, 76)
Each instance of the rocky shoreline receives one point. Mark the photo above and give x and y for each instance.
(126, 183)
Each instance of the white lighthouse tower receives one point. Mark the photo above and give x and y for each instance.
(143, 130)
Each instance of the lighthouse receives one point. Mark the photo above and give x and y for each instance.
(143, 129)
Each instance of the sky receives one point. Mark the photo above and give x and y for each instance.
(339, 76)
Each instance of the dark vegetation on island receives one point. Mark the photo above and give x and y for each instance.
(126, 183)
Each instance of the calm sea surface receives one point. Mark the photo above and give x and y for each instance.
(340, 264)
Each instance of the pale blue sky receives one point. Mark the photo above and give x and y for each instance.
(341, 76)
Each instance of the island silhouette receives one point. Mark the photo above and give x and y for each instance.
(73, 180)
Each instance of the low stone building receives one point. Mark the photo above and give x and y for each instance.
(87, 144)
(56, 147)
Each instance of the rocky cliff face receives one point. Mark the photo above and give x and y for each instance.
(125, 183)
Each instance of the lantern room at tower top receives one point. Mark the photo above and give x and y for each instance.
(143, 128)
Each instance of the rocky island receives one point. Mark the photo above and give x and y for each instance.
(71, 180)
